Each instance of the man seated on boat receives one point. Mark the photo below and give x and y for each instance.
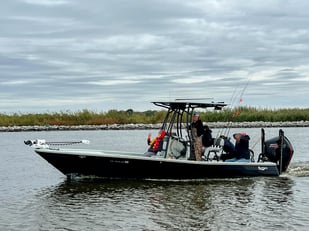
(155, 145)
(240, 152)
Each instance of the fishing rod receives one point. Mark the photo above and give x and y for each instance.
(237, 113)
(224, 131)
(234, 97)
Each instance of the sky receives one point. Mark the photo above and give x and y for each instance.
(100, 55)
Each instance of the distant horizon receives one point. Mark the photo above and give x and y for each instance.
(141, 111)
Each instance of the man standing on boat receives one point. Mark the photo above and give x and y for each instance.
(197, 131)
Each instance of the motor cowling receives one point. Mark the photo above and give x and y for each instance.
(273, 148)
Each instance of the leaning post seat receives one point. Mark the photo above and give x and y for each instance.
(215, 149)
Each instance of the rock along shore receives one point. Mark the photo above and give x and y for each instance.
(259, 124)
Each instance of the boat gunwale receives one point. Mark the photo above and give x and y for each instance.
(139, 156)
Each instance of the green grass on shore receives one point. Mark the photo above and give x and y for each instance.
(86, 117)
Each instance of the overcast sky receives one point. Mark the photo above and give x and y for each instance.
(59, 55)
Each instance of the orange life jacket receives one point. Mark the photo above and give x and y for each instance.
(156, 142)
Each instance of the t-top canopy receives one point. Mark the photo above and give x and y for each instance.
(174, 105)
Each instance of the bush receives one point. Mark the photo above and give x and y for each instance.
(86, 117)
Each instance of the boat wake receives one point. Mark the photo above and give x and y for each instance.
(300, 169)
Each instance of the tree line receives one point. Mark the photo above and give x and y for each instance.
(87, 117)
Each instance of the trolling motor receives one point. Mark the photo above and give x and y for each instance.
(40, 143)
(277, 149)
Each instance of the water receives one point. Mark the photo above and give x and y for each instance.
(35, 196)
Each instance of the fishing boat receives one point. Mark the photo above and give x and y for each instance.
(175, 158)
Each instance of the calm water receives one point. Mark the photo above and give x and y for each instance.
(35, 196)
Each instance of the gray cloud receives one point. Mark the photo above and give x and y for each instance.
(101, 55)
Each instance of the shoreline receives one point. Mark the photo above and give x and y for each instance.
(259, 124)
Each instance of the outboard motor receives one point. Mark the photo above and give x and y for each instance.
(278, 150)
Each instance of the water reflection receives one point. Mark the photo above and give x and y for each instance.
(279, 190)
(211, 204)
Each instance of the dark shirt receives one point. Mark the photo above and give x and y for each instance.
(207, 139)
(199, 127)
(242, 148)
